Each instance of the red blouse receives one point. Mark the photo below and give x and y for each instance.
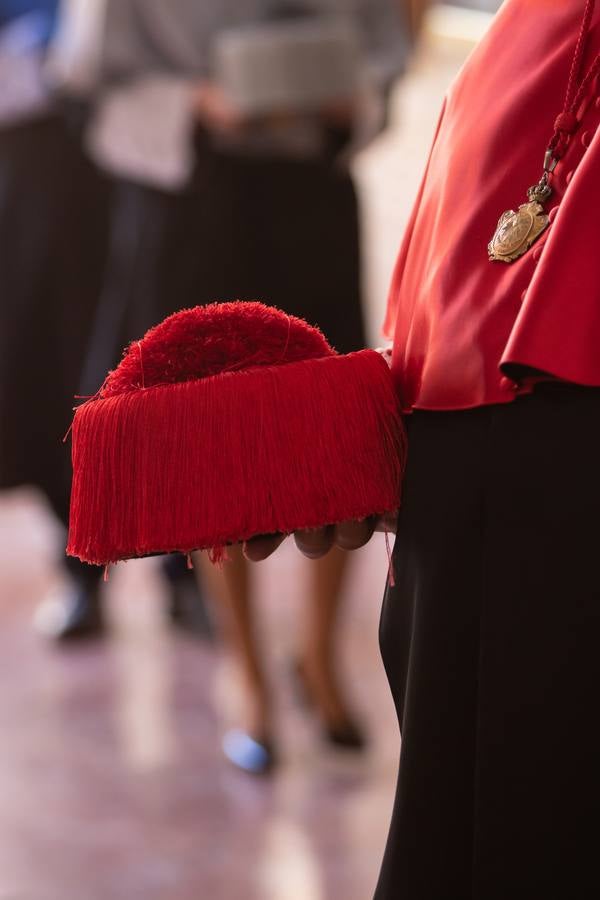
(458, 320)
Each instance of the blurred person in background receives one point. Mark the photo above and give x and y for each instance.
(54, 228)
(232, 181)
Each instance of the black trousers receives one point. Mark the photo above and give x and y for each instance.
(491, 642)
(53, 232)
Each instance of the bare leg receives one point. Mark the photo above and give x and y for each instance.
(230, 586)
(317, 659)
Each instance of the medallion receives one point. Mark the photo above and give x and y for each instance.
(517, 231)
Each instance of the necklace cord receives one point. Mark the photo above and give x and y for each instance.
(567, 122)
(508, 243)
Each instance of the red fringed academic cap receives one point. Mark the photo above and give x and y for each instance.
(225, 422)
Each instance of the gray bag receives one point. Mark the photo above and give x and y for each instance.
(295, 65)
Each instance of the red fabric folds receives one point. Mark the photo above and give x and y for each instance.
(462, 324)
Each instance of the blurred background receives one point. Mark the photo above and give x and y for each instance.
(171, 734)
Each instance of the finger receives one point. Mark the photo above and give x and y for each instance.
(315, 542)
(261, 547)
(354, 534)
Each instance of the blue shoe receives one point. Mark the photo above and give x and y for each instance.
(247, 753)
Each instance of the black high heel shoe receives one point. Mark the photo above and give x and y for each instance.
(347, 735)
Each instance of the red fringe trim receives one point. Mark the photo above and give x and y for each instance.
(206, 463)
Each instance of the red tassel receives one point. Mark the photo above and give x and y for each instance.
(218, 556)
(213, 461)
(391, 576)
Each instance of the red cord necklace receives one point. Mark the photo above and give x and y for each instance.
(517, 231)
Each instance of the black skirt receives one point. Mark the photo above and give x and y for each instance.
(254, 228)
(490, 640)
(53, 227)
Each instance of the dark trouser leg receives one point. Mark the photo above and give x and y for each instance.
(490, 642)
(53, 221)
(538, 777)
(430, 645)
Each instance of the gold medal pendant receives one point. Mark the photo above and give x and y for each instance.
(518, 231)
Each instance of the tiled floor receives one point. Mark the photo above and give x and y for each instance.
(111, 778)
(112, 786)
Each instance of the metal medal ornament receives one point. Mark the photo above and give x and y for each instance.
(518, 230)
